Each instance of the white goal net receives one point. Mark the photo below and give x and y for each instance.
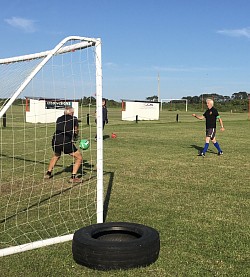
(34, 91)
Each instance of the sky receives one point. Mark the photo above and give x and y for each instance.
(168, 48)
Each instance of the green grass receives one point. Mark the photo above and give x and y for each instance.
(200, 206)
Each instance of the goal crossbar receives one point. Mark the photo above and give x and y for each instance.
(64, 49)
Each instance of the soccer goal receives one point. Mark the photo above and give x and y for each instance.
(34, 91)
(171, 102)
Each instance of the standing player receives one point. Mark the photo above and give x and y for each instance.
(104, 115)
(211, 115)
(63, 142)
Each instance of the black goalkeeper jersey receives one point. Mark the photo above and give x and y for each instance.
(65, 126)
(211, 117)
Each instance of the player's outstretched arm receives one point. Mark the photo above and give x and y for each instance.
(197, 116)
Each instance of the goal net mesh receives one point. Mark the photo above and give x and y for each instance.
(33, 208)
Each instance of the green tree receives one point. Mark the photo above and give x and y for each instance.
(240, 95)
(153, 98)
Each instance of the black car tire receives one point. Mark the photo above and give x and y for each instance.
(115, 245)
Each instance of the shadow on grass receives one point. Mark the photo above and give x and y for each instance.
(108, 194)
(68, 168)
(38, 203)
(198, 148)
(22, 159)
(106, 137)
(81, 171)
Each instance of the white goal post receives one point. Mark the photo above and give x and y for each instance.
(34, 212)
(170, 100)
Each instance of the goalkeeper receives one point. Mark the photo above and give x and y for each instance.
(211, 115)
(63, 142)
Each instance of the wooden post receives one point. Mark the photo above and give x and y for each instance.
(88, 118)
(4, 120)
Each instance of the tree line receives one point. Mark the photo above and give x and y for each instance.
(242, 95)
(217, 97)
(237, 102)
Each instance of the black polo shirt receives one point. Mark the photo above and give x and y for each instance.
(65, 126)
(211, 117)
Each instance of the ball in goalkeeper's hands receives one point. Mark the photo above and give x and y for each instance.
(84, 144)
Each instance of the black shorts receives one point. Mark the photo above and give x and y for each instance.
(66, 147)
(210, 133)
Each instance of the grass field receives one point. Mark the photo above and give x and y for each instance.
(200, 206)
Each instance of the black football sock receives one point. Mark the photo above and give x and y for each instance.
(48, 173)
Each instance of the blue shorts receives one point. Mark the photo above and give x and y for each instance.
(211, 133)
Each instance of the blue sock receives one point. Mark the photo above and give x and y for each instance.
(217, 146)
(205, 148)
